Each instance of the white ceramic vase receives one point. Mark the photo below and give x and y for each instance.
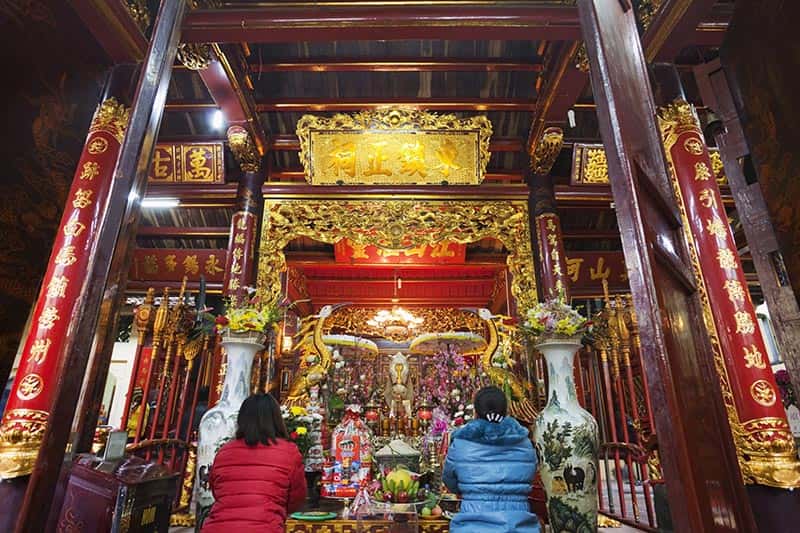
(566, 440)
(218, 424)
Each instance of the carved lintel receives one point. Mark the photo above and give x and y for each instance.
(194, 56)
(243, 148)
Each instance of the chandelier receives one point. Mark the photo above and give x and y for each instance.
(394, 322)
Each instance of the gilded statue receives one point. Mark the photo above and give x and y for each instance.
(399, 391)
(315, 354)
(501, 341)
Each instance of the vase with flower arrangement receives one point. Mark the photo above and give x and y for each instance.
(565, 434)
(245, 328)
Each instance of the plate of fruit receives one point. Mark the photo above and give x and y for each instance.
(399, 485)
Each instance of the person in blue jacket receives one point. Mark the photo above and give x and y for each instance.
(491, 464)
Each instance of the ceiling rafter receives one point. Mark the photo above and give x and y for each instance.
(396, 65)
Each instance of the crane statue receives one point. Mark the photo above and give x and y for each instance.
(313, 348)
(500, 339)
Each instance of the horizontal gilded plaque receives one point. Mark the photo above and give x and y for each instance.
(187, 163)
(394, 147)
(589, 165)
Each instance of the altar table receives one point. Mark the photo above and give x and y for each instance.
(366, 526)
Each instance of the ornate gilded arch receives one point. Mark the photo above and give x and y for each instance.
(397, 224)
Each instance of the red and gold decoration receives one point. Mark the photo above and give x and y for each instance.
(766, 447)
(394, 146)
(588, 270)
(554, 281)
(167, 264)
(589, 165)
(188, 163)
(26, 413)
(347, 251)
(397, 225)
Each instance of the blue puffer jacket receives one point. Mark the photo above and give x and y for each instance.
(492, 466)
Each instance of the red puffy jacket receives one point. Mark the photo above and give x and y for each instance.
(255, 487)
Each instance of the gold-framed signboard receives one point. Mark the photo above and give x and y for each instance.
(589, 165)
(392, 146)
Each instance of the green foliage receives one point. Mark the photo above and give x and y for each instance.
(554, 445)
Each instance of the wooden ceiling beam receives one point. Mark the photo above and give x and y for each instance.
(166, 232)
(451, 20)
(309, 105)
(674, 27)
(224, 78)
(114, 29)
(490, 64)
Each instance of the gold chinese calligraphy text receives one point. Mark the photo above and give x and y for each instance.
(98, 145)
(73, 228)
(190, 264)
(170, 262)
(726, 259)
(397, 225)
(735, 290)
(394, 146)
(744, 323)
(693, 146)
(90, 170)
(57, 288)
(48, 318)
(589, 165)
(716, 227)
(706, 198)
(701, 171)
(38, 352)
(753, 358)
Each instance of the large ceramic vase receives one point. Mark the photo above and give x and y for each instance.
(218, 424)
(566, 441)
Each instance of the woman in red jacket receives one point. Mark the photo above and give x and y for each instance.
(258, 478)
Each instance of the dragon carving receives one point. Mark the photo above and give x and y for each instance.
(311, 345)
(519, 406)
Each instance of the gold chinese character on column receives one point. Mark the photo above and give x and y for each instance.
(763, 393)
(600, 271)
(48, 318)
(30, 387)
(239, 239)
(359, 251)
(375, 160)
(190, 265)
(716, 227)
(753, 358)
(98, 146)
(90, 171)
(39, 350)
(233, 284)
(412, 159)
(343, 159)
(73, 228)
(693, 146)
(446, 153)
(170, 262)
(212, 265)
(726, 259)
(241, 223)
(574, 268)
(57, 288)
(552, 239)
(701, 171)
(66, 256)
(744, 323)
(706, 198)
(735, 290)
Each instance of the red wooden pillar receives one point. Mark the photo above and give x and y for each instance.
(241, 266)
(28, 407)
(766, 448)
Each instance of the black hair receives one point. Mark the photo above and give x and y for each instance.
(260, 421)
(491, 404)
